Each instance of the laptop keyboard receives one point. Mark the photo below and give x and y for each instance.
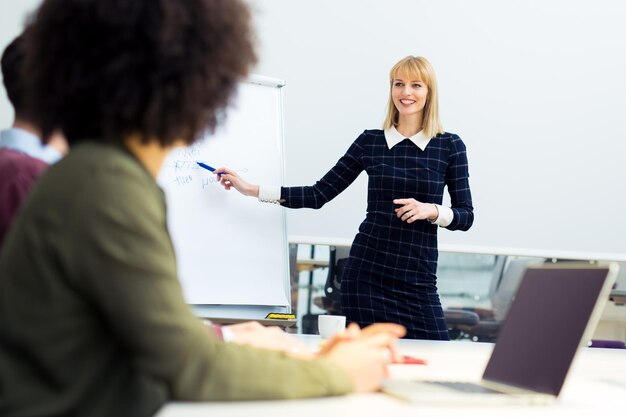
(465, 387)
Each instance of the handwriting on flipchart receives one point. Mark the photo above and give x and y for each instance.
(187, 173)
(186, 169)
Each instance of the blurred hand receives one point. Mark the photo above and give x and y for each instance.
(391, 328)
(413, 210)
(273, 338)
(353, 332)
(364, 354)
(230, 179)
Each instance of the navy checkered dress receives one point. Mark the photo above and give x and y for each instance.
(390, 275)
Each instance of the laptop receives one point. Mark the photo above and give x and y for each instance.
(554, 313)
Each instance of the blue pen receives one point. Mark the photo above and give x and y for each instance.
(208, 167)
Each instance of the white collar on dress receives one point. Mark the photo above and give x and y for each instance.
(393, 137)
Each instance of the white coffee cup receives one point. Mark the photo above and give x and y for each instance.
(329, 325)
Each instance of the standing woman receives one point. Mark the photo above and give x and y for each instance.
(390, 275)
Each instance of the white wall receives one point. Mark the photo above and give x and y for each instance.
(535, 88)
(12, 16)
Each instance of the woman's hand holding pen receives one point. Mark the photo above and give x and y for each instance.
(353, 331)
(364, 354)
(413, 210)
(230, 179)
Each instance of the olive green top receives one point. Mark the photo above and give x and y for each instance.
(92, 316)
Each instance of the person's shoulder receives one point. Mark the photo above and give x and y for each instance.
(371, 136)
(451, 140)
(99, 170)
(374, 132)
(14, 163)
(104, 162)
(104, 179)
(453, 137)
(366, 139)
(12, 156)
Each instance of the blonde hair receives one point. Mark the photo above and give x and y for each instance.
(416, 67)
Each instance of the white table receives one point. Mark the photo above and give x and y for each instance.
(597, 383)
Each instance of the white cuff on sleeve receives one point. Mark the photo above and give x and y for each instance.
(445, 216)
(269, 194)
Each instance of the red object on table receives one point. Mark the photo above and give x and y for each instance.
(410, 360)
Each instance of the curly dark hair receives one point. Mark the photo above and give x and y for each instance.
(163, 69)
(12, 59)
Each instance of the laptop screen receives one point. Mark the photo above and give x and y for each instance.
(545, 325)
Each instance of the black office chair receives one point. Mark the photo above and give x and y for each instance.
(508, 273)
(331, 300)
(460, 322)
